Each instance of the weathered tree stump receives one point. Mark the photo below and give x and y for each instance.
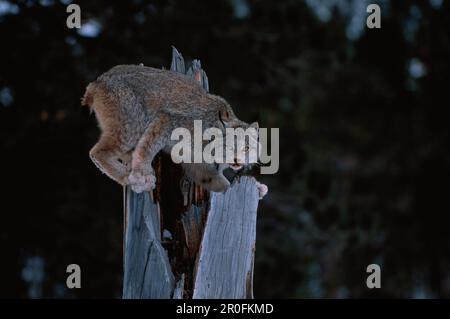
(226, 256)
(182, 242)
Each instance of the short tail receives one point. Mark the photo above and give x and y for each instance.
(88, 98)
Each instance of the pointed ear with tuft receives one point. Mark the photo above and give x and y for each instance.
(224, 118)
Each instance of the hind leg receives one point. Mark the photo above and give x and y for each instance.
(109, 155)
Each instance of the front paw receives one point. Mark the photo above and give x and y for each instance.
(141, 181)
(262, 189)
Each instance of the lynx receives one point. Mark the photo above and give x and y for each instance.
(137, 107)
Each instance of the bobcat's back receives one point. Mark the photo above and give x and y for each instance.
(152, 89)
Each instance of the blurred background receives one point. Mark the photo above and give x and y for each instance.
(364, 154)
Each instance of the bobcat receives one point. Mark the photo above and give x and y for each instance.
(137, 107)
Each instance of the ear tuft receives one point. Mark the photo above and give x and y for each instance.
(224, 117)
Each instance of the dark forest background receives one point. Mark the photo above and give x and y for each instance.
(364, 138)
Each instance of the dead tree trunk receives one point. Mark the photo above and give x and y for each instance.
(183, 242)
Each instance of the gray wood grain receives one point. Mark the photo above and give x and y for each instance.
(147, 271)
(225, 263)
(177, 63)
